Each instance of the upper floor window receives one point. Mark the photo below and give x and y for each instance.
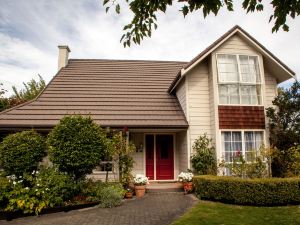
(239, 79)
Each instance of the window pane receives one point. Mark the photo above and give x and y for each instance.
(227, 68)
(250, 94)
(249, 69)
(253, 141)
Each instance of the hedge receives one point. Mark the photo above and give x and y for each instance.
(260, 191)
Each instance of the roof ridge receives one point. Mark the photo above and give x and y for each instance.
(129, 60)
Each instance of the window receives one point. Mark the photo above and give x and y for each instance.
(104, 166)
(239, 79)
(240, 142)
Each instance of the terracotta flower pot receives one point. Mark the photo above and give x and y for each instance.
(140, 190)
(128, 195)
(187, 186)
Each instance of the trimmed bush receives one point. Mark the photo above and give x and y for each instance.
(76, 145)
(264, 191)
(21, 152)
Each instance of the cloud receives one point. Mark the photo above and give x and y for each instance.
(31, 30)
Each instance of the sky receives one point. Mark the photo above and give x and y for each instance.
(31, 30)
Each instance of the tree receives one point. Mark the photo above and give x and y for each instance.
(4, 103)
(145, 11)
(21, 152)
(76, 145)
(284, 125)
(31, 90)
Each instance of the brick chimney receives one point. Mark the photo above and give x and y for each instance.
(63, 56)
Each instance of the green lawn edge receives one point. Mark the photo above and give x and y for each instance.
(207, 212)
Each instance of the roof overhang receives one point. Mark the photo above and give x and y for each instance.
(276, 67)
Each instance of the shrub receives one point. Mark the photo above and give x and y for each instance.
(203, 160)
(76, 145)
(21, 152)
(108, 194)
(263, 191)
(37, 191)
(5, 188)
(56, 186)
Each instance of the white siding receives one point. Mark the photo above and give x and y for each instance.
(138, 157)
(182, 153)
(181, 95)
(236, 45)
(199, 108)
(270, 89)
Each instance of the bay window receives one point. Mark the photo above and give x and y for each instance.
(239, 79)
(245, 143)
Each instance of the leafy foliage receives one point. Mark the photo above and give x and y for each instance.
(21, 152)
(5, 188)
(121, 150)
(4, 103)
(284, 124)
(254, 168)
(31, 90)
(76, 145)
(263, 191)
(36, 191)
(108, 194)
(145, 13)
(55, 186)
(203, 160)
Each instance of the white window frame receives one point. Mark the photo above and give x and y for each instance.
(260, 84)
(243, 139)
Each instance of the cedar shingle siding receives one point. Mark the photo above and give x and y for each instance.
(241, 117)
(115, 93)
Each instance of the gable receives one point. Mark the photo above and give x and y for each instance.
(236, 45)
(238, 40)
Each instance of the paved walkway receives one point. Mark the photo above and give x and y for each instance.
(153, 209)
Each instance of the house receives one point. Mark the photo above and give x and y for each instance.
(166, 105)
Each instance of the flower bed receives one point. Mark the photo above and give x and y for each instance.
(264, 191)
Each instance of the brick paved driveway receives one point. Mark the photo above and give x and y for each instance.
(154, 208)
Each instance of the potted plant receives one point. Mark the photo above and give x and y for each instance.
(128, 193)
(140, 182)
(186, 178)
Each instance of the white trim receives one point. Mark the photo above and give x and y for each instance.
(261, 49)
(184, 71)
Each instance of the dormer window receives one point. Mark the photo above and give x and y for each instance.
(239, 80)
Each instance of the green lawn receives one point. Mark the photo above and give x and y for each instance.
(217, 213)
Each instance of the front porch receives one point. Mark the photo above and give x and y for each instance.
(160, 155)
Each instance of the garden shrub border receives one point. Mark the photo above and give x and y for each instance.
(259, 191)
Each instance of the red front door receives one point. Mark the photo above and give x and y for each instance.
(164, 157)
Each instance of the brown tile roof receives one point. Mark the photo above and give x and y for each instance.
(115, 93)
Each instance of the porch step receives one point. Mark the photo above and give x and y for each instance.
(164, 187)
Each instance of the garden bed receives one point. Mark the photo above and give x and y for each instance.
(17, 214)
